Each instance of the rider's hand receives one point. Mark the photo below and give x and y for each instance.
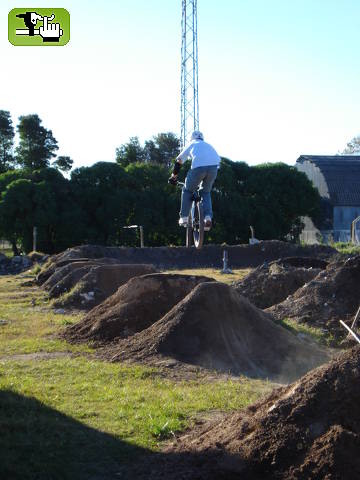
(173, 180)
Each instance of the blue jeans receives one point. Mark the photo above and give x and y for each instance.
(204, 175)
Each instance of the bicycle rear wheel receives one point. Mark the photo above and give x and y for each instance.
(198, 224)
(189, 232)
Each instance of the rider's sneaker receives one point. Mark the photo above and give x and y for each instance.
(183, 221)
(207, 223)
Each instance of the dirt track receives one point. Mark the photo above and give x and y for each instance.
(240, 256)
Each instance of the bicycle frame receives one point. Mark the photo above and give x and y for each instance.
(195, 227)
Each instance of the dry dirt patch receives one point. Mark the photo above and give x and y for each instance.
(273, 282)
(89, 286)
(216, 328)
(333, 295)
(309, 429)
(135, 306)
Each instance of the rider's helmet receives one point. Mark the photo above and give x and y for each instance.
(197, 135)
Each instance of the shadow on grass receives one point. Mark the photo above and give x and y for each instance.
(38, 443)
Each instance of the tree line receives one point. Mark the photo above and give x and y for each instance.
(93, 204)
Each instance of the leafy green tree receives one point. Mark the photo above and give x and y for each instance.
(131, 152)
(162, 149)
(6, 141)
(279, 195)
(63, 163)
(40, 198)
(37, 144)
(102, 192)
(353, 147)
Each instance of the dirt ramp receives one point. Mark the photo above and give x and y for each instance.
(89, 286)
(308, 430)
(333, 295)
(215, 327)
(56, 263)
(134, 307)
(271, 283)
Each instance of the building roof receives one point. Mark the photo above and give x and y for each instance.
(337, 177)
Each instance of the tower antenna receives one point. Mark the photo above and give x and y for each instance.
(189, 70)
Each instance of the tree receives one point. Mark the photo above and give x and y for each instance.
(353, 147)
(279, 195)
(162, 149)
(130, 152)
(63, 163)
(6, 141)
(37, 144)
(102, 192)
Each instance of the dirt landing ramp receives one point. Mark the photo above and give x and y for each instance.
(216, 328)
(93, 285)
(134, 307)
(331, 296)
(307, 430)
(271, 283)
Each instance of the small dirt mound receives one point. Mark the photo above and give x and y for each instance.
(310, 429)
(135, 306)
(96, 283)
(215, 327)
(65, 278)
(333, 295)
(271, 283)
(54, 264)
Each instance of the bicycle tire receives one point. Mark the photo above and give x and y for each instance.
(198, 225)
(189, 232)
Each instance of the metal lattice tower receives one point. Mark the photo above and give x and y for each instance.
(189, 70)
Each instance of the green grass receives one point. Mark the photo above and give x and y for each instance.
(75, 417)
(229, 278)
(346, 248)
(7, 251)
(31, 326)
(316, 334)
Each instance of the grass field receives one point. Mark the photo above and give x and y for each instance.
(65, 415)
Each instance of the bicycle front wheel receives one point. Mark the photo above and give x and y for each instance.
(198, 225)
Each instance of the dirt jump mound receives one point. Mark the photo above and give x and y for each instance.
(308, 430)
(56, 268)
(333, 295)
(134, 307)
(271, 283)
(216, 328)
(88, 286)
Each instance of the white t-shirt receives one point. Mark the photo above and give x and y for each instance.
(202, 154)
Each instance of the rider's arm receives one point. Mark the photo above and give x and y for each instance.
(183, 155)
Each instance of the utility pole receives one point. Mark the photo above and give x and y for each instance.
(189, 70)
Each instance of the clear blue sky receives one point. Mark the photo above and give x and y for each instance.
(277, 78)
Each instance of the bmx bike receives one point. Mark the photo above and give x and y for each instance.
(195, 226)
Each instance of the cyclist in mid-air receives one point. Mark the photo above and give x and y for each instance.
(204, 166)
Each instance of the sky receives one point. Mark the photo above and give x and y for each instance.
(277, 78)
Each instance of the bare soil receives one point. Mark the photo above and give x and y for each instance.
(240, 256)
(216, 328)
(333, 295)
(91, 285)
(273, 282)
(307, 430)
(135, 306)
(55, 264)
